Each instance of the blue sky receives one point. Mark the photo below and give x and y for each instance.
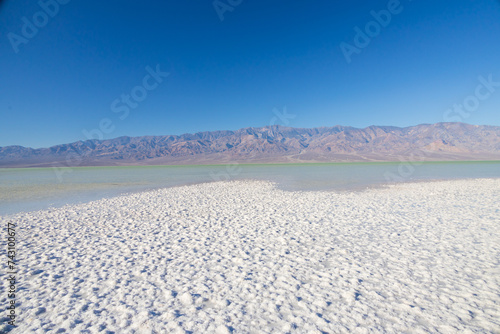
(58, 82)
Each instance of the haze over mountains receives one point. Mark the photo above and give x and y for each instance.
(440, 141)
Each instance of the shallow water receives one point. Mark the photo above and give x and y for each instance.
(28, 189)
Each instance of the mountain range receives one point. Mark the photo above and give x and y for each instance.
(440, 141)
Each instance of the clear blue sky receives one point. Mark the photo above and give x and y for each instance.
(232, 73)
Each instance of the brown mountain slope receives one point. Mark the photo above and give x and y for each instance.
(441, 141)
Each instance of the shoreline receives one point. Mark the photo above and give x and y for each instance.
(243, 255)
(34, 189)
(311, 163)
(352, 189)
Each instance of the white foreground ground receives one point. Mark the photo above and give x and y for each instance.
(244, 257)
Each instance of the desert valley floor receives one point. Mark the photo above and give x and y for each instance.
(246, 257)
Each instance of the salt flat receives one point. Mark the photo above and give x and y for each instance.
(245, 257)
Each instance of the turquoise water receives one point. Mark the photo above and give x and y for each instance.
(27, 189)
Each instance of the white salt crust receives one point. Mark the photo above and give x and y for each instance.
(245, 257)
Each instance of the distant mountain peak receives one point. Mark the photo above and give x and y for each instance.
(272, 143)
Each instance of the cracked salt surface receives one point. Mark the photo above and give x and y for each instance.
(245, 257)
